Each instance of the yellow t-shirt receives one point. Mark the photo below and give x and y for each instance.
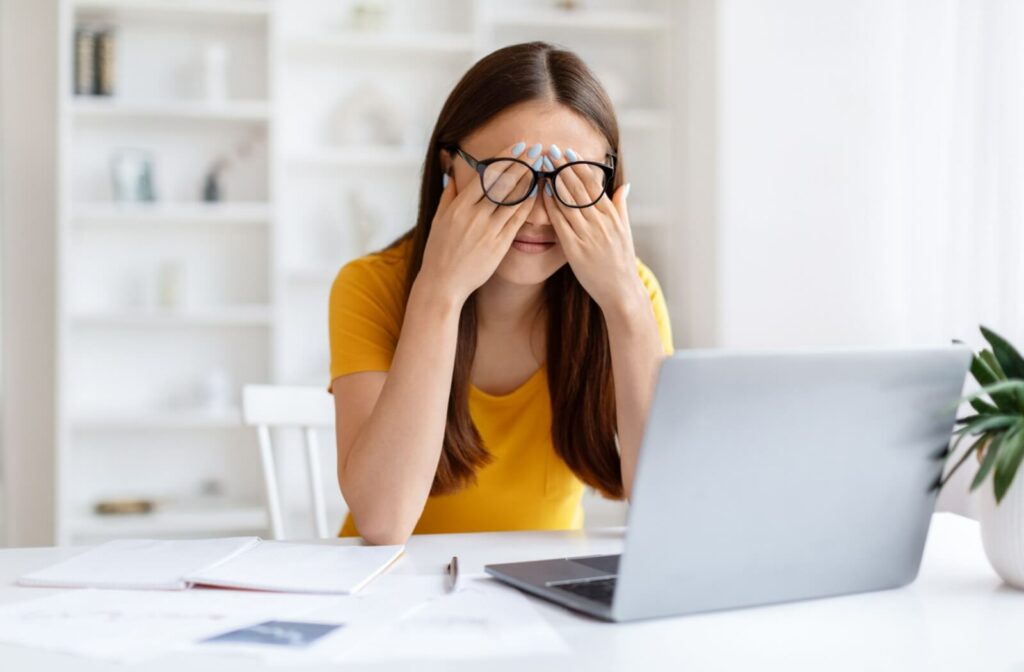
(527, 486)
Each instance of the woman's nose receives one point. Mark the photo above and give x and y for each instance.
(538, 215)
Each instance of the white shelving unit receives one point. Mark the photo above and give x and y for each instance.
(258, 266)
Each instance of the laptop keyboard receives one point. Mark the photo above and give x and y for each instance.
(598, 590)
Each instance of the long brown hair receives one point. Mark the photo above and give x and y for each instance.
(579, 361)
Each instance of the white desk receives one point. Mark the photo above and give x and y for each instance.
(956, 616)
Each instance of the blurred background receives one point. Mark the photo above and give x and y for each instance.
(181, 179)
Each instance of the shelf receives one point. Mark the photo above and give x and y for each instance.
(227, 316)
(99, 108)
(157, 419)
(197, 9)
(583, 19)
(418, 43)
(172, 520)
(359, 157)
(174, 214)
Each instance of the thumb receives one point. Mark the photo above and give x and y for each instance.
(448, 194)
(619, 201)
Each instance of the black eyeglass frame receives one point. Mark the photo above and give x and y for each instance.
(480, 166)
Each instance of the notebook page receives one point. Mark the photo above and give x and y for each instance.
(301, 568)
(139, 563)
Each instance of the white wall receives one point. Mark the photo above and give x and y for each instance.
(29, 139)
(807, 192)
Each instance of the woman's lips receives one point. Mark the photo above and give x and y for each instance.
(532, 246)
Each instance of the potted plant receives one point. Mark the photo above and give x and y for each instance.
(997, 431)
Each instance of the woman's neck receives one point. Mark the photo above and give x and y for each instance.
(505, 307)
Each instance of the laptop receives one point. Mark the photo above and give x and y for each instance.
(770, 477)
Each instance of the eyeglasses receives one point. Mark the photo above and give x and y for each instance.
(508, 181)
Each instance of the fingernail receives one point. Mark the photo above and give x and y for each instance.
(571, 155)
(555, 152)
(533, 192)
(625, 191)
(518, 148)
(538, 163)
(547, 189)
(534, 151)
(444, 180)
(547, 164)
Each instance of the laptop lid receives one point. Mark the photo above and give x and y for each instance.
(777, 476)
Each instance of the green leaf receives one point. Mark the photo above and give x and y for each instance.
(987, 423)
(983, 406)
(993, 364)
(1009, 359)
(982, 372)
(989, 461)
(986, 377)
(960, 462)
(970, 418)
(1010, 456)
(1000, 391)
(1006, 421)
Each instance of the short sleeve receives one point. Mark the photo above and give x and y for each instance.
(659, 306)
(365, 314)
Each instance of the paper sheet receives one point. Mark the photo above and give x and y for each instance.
(130, 626)
(139, 563)
(481, 619)
(301, 568)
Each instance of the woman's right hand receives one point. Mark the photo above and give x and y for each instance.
(470, 235)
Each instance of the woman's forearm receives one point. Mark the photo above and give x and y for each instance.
(636, 354)
(389, 469)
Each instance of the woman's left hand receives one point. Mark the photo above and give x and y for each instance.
(597, 240)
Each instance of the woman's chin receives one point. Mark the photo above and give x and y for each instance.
(530, 268)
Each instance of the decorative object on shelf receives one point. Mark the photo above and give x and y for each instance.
(94, 49)
(132, 172)
(998, 424)
(215, 73)
(367, 16)
(211, 185)
(568, 5)
(213, 191)
(365, 221)
(171, 285)
(368, 117)
(216, 391)
(105, 62)
(85, 61)
(120, 507)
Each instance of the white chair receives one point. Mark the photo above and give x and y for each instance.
(269, 407)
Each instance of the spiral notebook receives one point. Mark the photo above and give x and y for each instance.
(233, 562)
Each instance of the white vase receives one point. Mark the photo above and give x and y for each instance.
(1002, 529)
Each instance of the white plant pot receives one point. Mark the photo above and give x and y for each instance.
(1002, 529)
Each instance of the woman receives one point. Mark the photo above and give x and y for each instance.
(502, 354)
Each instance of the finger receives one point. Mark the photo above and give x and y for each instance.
(501, 215)
(511, 227)
(448, 195)
(474, 191)
(568, 184)
(567, 235)
(618, 201)
(504, 180)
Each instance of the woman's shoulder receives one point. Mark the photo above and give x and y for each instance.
(384, 270)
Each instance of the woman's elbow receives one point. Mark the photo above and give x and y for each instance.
(382, 532)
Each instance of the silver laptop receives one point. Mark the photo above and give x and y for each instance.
(771, 477)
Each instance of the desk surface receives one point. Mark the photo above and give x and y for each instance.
(956, 616)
